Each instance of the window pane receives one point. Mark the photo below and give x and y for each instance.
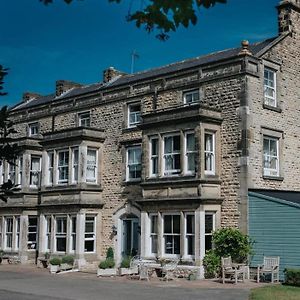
(190, 224)
(89, 246)
(208, 223)
(176, 224)
(167, 224)
(154, 224)
(177, 244)
(61, 243)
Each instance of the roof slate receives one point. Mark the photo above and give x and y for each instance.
(148, 74)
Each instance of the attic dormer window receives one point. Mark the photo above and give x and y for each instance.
(33, 129)
(191, 96)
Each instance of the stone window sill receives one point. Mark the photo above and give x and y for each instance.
(273, 108)
(278, 178)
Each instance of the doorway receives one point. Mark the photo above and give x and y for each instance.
(130, 236)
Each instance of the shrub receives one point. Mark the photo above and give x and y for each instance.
(110, 262)
(211, 263)
(55, 261)
(292, 276)
(103, 265)
(68, 259)
(125, 263)
(110, 253)
(231, 242)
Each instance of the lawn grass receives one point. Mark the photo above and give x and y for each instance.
(276, 292)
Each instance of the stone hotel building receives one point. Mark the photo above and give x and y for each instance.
(153, 162)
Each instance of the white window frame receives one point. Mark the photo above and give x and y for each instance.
(189, 152)
(20, 170)
(187, 235)
(48, 232)
(75, 165)
(15, 233)
(64, 180)
(72, 234)
(173, 255)
(8, 234)
(50, 168)
(84, 119)
(269, 100)
(133, 164)
(93, 234)
(269, 171)
(30, 243)
(213, 214)
(171, 172)
(12, 172)
(153, 234)
(92, 180)
(210, 154)
(33, 129)
(153, 157)
(62, 234)
(136, 114)
(194, 94)
(32, 172)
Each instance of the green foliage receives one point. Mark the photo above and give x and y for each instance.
(125, 263)
(211, 263)
(275, 292)
(231, 242)
(292, 276)
(110, 253)
(103, 264)
(108, 263)
(55, 261)
(68, 259)
(164, 16)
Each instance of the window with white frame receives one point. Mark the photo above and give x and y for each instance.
(12, 172)
(190, 153)
(50, 167)
(75, 164)
(84, 119)
(9, 225)
(33, 129)
(133, 163)
(209, 229)
(90, 234)
(271, 156)
(91, 165)
(73, 233)
(270, 87)
(153, 233)
(191, 96)
(172, 155)
(17, 224)
(134, 114)
(190, 234)
(35, 170)
(20, 165)
(171, 234)
(63, 166)
(209, 153)
(154, 155)
(48, 233)
(32, 232)
(61, 233)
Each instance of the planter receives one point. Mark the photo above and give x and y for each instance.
(54, 269)
(129, 271)
(106, 272)
(65, 267)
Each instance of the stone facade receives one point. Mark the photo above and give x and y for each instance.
(165, 157)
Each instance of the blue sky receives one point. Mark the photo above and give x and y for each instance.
(41, 44)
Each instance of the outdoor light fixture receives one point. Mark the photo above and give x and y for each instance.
(114, 229)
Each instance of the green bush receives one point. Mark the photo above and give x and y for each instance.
(68, 259)
(110, 262)
(103, 265)
(231, 242)
(110, 253)
(211, 263)
(125, 263)
(55, 261)
(292, 276)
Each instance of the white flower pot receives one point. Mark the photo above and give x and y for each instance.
(106, 272)
(54, 269)
(128, 271)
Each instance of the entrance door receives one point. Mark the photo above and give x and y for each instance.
(130, 245)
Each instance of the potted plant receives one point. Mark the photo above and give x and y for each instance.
(125, 268)
(67, 262)
(55, 263)
(107, 266)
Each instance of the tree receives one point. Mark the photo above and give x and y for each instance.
(9, 150)
(163, 15)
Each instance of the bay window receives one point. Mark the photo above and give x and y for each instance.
(12, 172)
(63, 166)
(35, 170)
(75, 165)
(190, 234)
(172, 155)
(20, 170)
(32, 232)
(48, 233)
(73, 233)
(90, 234)
(61, 233)
(133, 163)
(171, 225)
(9, 225)
(91, 166)
(154, 155)
(153, 233)
(50, 170)
(190, 153)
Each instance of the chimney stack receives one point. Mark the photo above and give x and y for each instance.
(288, 16)
(28, 96)
(63, 86)
(111, 73)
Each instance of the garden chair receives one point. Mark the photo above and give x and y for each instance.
(231, 269)
(269, 266)
(168, 269)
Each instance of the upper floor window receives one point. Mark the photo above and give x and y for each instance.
(172, 155)
(271, 156)
(91, 166)
(12, 172)
(270, 87)
(75, 164)
(20, 164)
(63, 166)
(133, 163)
(191, 96)
(50, 170)
(134, 114)
(190, 153)
(154, 155)
(33, 129)
(35, 170)
(209, 153)
(84, 119)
